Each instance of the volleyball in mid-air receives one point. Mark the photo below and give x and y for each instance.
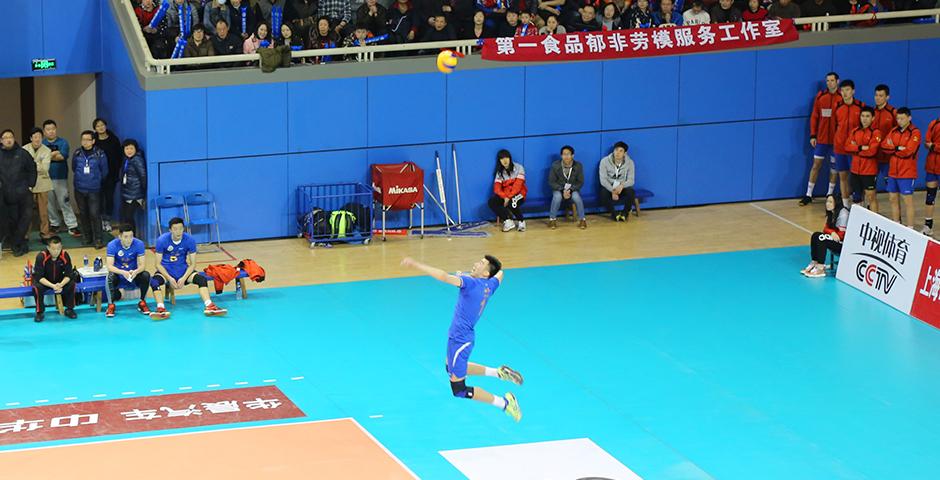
(447, 61)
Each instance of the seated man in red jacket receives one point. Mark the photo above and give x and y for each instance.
(53, 271)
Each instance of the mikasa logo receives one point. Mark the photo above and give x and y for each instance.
(397, 190)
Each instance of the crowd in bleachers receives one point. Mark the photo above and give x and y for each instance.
(197, 28)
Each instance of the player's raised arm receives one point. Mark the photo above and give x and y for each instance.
(436, 273)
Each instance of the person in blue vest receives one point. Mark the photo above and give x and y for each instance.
(125, 264)
(89, 168)
(176, 268)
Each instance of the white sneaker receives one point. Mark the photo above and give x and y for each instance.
(508, 225)
(817, 272)
(521, 226)
(808, 268)
(927, 231)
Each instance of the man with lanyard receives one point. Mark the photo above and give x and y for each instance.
(176, 267)
(932, 142)
(125, 263)
(475, 290)
(902, 143)
(885, 120)
(821, 131)
(846, 118)
(863, 145)
(566, 179)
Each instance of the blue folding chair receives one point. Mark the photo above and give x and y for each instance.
(169, 202)
(211, 217)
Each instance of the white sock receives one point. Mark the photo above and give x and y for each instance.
(809, 188)
(490, 372)
(207, 302)
(160, 305)
(499, 402)
(832, 188)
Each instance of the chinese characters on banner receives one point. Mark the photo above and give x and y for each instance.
(639, 42)
(141, 414)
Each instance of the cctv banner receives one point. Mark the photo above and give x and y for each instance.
(886, 260)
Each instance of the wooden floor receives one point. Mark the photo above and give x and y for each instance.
(663, 232)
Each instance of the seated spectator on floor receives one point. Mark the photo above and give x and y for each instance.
(180, 18)
(552, 27)
(225, 42)
(566, 178)
(213, 12)
(754, 12)
(667, 16)
(53, 270)
(507, 28)
(865, 6)
(133, 179)
(156, 36)
(477, 28)
(198, 45)
(339, 12)
(818, 8)
(243, 19)
(828, 240)
(441, 31)
(509, 191)
(640, 15)
(586, 21)
(784, 9)
(374, 16)
(616, 173)
(260, 39)
(301, 14)
(126, 267)
(402, 22)
(725, 12)
(610, 17)
(696, 15)
(176, 268)
(526, 28)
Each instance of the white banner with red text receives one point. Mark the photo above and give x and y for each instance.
(639, 42)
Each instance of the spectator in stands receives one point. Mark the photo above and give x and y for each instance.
(302, 15)
(109, 143)
(359, 37)
(508, 26)
(640, 15)
(784, 9)
(902, 142)
(374, 16)
(259, 39)
(725, 12)
(89, 168)
(441, 31)
(754, 12)
(126, 267)
(616, 172)
(667, 16)
(548, 8)
(509, 192)
(696, 15)
(870, 6)
(17, 177)
(863, 144)
(495, 12)
(213, 11)
(426, 10)
(53, 270)
(263, 9)
(552, 27)
(571, 10)
(198, 45)
(176, 268)
(320, 37)
(42, 157)
(60, 208)
(243, 19)
(586, 21)
(932, 144)
(402, 22)
(157, 35)
(338, 12)
(292, 42)
(477, 29)
(818, 8)
(610, 17)
(526, 28)
(566, 178)
(180, 18)
(225, 42)
(461, 17)
(133, 183)
(828, 240)
(885, 120)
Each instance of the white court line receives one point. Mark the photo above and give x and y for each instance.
(186, 388)
(178, 435)
(241, 383)
(99, 395)
(128, 393)
(376, 416)
(772, 214)
(42, 401)
(156, 390)
(213, 385)
(68, 399)
(13, 404)
(390, 454)
(296, 378)
(270, 380)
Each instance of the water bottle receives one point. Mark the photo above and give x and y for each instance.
(86, 260)
(98, 263)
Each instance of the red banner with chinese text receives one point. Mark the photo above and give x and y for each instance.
(639, 42)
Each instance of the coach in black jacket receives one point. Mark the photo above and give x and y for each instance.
(53, 271)
(17, 176)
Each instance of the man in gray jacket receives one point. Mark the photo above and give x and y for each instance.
(566, 179)
(617, 179)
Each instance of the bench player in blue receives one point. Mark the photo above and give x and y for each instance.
(475, 291)
(176, 267)
(125, 268)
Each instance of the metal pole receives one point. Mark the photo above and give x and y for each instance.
(440, 188)
(453, 148)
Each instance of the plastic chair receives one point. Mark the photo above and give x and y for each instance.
(211, 217)
(167, 202)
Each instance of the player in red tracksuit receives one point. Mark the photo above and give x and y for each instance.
(862, 144)
(846, 118)
(821, 131)
(932, 143)
(885, 120)
(902, 142)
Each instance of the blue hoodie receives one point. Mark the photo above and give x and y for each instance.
(95, 163)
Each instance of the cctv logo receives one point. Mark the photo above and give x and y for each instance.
(875, 276)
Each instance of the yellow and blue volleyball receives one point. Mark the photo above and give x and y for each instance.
(447, 61)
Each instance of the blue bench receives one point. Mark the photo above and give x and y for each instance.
(541, 206)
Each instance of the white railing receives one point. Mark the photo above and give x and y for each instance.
(367, 53)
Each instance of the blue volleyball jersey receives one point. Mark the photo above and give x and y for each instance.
(126, 258)
(174, 254)
(474, 293)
